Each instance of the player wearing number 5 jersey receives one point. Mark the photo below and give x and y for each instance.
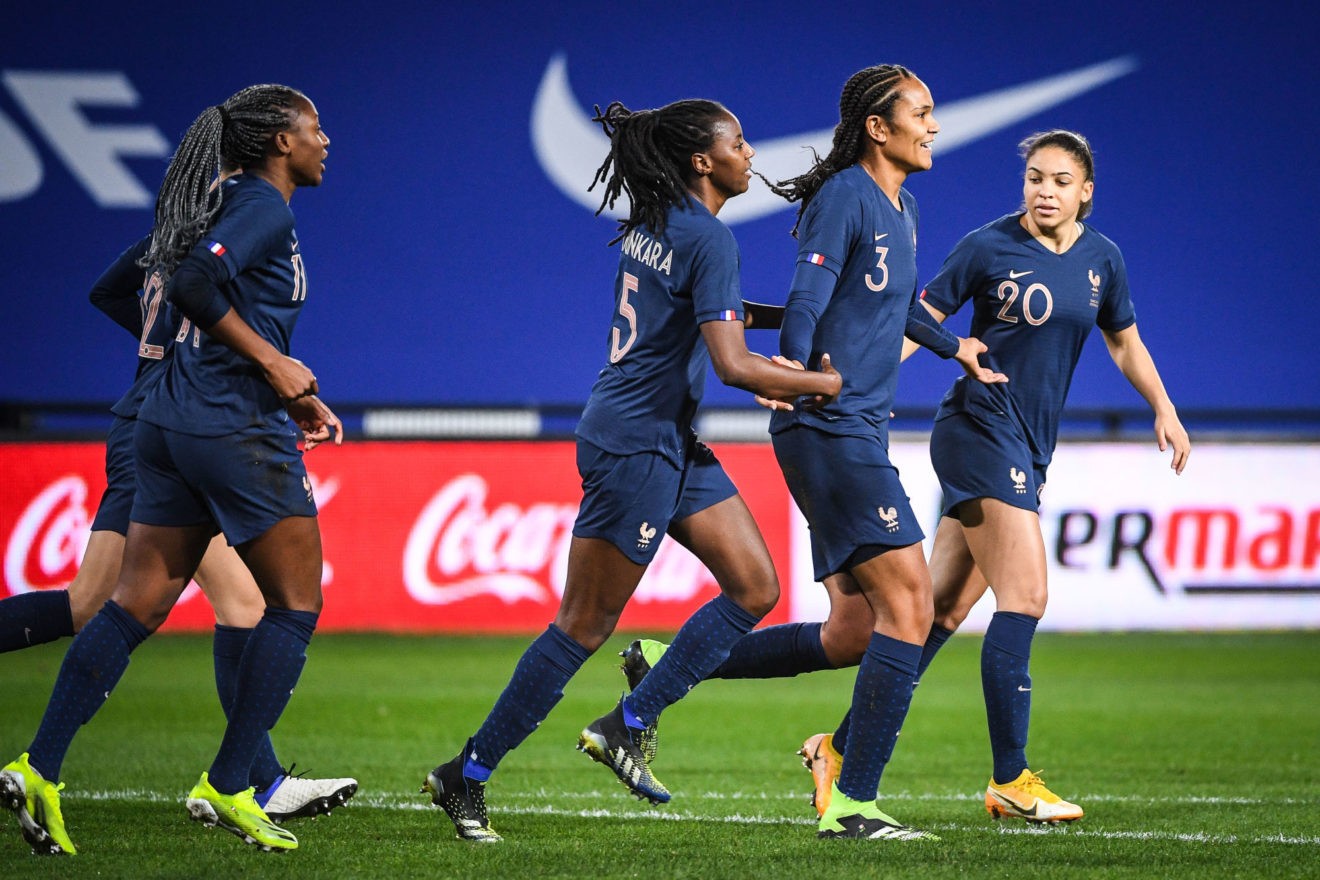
(678, 310)
(1038, 280)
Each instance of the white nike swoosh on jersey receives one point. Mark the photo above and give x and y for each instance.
(1012, 274)
(570, 147)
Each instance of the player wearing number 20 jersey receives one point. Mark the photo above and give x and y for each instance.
(1033, 308)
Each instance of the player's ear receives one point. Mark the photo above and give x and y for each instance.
(701, 164)
(877, 129)
(282, 143)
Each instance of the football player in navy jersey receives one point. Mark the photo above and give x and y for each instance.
(1038, 280)
(854, 295)
(678, 309)
(216, 449)
(42, 616)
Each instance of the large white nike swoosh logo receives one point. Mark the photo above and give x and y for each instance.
(570, 147)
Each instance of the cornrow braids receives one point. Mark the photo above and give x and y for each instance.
(871, 91)
(228, 137)
(1072, 143)
(650, 157)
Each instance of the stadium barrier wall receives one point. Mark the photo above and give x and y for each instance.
(430, 536)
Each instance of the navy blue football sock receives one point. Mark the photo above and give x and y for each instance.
(272, 662)
(840, 738)
(934, 641)
(776, 652)
(880, 702)
(1005, 656)
(227, 651)
(34, 618)
(91, 668)
(699, 647)
(536, 686)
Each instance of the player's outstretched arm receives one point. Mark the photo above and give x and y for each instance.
(737, 367)
(1134, 361)
(969, 358)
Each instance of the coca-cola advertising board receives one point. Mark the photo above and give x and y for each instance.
(418, 536)
(448, 536)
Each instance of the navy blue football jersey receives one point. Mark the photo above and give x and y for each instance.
(1033, 309)
(208, 389)
(148, 316)
(851, 228)
(665, 289)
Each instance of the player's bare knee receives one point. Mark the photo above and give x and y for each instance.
(588, 627)
(302, 597)
(1028, 600)
(82, 612)
(590, 638)
(950, 612)
(844, 644)
(146, 612)
(758, 600)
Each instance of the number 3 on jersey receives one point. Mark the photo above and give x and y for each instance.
(629, 314)
(883, 251)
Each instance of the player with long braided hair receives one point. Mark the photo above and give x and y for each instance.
(216, 449)
(41, 616)
(854, 295)
(677, 309)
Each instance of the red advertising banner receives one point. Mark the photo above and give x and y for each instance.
(418, 536)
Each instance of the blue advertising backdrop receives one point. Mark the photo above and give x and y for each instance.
(452, 253)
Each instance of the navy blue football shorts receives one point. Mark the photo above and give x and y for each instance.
(976, 457)
(849, 493)
(241, 483)
(120, 483)
(630, 500)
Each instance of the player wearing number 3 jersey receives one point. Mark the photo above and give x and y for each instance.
(678, 310)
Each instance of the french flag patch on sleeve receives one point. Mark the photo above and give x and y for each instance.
(216, 248)
(728, 315)
(817, 259)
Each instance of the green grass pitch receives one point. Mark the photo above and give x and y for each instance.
(1193, 755)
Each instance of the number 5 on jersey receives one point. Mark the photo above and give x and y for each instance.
(629, 314)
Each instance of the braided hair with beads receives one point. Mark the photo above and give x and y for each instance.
(227, 137)
(650, 157)
(871, 91)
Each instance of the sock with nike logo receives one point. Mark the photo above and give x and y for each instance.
(1005, 656)
(34, 618)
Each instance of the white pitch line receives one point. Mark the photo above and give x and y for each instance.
(669, 815)
(977, 796)
(805, 797)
